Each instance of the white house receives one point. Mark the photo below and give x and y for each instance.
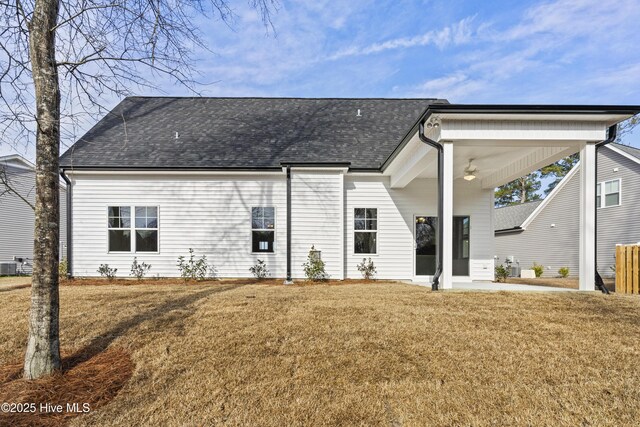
(17, 217)
(239, 179)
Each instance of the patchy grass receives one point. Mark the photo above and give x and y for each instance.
(359, 354)
(10, 282)
(559, 282)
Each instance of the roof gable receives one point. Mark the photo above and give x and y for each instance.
(15, 160)
(627, 151)
(513, 216)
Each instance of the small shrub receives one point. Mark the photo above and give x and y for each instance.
(259, 270)
(367, 269)
(193, 269)
(314, 267)
(63, 268)
(139, 270)
(537, 269)
(502, 273)
(563, 272)
(106, 271)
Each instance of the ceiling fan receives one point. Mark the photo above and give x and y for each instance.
(470, 171)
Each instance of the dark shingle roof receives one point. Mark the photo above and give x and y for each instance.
(245, 132)
(510, 217)
(635, 152)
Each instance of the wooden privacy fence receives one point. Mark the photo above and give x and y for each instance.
(628, 269)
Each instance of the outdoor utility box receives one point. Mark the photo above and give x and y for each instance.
(527, 274)
(7, 269)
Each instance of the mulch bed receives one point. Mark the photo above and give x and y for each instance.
(179, 281)
(89, 380)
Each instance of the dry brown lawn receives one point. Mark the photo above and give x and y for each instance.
(558, 282)
(9, 282)
(359, 354)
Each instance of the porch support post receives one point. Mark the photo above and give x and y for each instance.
(446, 281)
(587, 216)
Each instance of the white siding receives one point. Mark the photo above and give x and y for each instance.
(396, 210)
(316, 219)
(211, 214)
(17, 219)
(532, 130)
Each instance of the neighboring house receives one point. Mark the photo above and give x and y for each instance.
(242, 179)
(17, 218)
(547, 231)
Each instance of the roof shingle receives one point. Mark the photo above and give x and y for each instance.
(511, 217)
(245, 132)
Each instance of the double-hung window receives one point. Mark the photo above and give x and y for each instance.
(611, 190)
(365, 231)
(119, 228)
(122, 230)
(146, 229)
(263, 229)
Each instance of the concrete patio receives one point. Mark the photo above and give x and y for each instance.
(492, 286)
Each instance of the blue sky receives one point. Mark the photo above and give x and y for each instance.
(562, 51)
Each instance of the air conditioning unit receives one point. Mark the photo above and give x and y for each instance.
(514, 271)
(7, 268)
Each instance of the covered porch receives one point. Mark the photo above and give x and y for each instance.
(488, 146)
(485, 286)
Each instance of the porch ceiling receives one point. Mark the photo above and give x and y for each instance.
(501, 148)
(496, 163)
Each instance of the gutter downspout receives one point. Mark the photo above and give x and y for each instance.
(288, 280)
(440, 148)
(69, 222)
(613, 133)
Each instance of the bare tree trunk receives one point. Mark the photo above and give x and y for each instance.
(523, 190)
(43, 348)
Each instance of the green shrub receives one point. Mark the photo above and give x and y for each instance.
(537, 269)
(502, 273)
(193, 269)
(259, 270)
(314, 267)
(367, 269)
(106, 271)
(139, 270)
(563, 272)
(63, 268)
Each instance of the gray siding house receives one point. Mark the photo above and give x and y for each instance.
(547, 231)
(17, 217)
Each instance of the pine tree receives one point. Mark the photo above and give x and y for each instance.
(521, 190)
(558, 170)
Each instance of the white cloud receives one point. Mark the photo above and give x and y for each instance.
(458, 86)
(558, 51)
(458, 33)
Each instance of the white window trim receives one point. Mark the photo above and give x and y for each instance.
(274, 229)
(157, 229)
(353, 227)
(601, 186)
(133, 228)
(130, 228)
